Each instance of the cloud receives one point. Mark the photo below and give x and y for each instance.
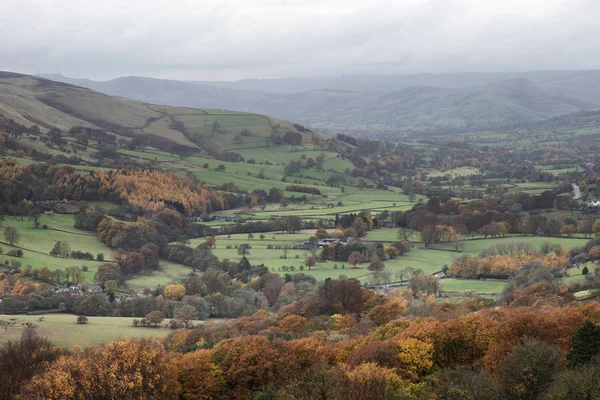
(218, 40)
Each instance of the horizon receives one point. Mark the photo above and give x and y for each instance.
(309, 77)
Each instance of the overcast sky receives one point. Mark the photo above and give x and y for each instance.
(230, 40)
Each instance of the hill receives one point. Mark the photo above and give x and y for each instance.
(376, 104)
(29, 100)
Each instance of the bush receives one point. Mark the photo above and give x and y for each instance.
(100, 257)
(82, 319)
(15, 253)
(84, 268)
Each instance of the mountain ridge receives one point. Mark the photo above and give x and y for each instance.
(338, 108)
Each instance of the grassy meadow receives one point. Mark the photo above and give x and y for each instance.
(63, 329)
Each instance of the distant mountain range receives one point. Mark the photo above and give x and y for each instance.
(371, 104)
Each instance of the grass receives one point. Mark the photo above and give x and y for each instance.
(456, 172)
(36, 244)
(63, 329)
(428, 260)
(471, 285)
(169, 272)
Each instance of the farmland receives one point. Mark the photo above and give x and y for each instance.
(63, 329)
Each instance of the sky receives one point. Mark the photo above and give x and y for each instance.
(232, 40)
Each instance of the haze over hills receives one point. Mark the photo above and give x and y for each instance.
(371, 104)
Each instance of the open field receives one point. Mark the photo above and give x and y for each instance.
(36, 244)
(169, 272)
(456, 172)
(471, 286)
(429, 260)
(63, 329)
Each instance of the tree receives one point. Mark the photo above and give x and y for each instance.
(404, 233)
(35, 215)
(376, 265)
(110, 287)
(199, 377)
(45, 274)
(568, 230)
(580, 383)
(425, 283)
(310, 262)
(82, 319)
(354, 258)
(185, 314)
(174, 291)
(211, 242)
(61, 249)
(124, 369)
(597, 228)
(321, 233)
(155, 317)
(244, 249)
(21, 360)
(12, 235)
(585, 270)
(528, 369)
(585, 344)
(58, 275)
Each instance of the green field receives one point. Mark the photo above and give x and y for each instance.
(36, 244)
(471, 286)
(169, 272)
(456, 172)
(63, 329)
(428, 260)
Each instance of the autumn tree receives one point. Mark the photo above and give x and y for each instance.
(376, 265)
(211, 242)
(20, 360)
(310, 262)
(249, 364)
(354, 258)
(596, 228)
(321, 233)
(186, 314)
(370, 381)
(45, 274)
(155, 317)
(568, 230)
(174, 291)
(123, 369)
(198, 377)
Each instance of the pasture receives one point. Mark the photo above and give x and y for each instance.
(428, 260)
(64, 331)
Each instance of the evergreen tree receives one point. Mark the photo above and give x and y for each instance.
(585, 344)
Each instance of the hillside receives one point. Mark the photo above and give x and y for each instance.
(29, 100)
(377, 104)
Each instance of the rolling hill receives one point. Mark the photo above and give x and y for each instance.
(29, 100)
(375, 104)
